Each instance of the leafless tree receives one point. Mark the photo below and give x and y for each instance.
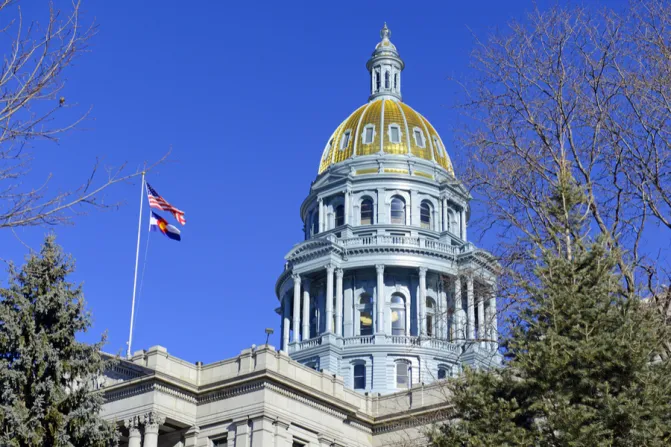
(32, 109)
(573, 89)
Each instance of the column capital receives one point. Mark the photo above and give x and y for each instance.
(132, 422)
(152, 420)
(422, 271)
(379, 268)
(296, 277)
(330, 268)
(320, 200)
(339, 273)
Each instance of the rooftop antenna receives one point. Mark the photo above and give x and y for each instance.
(269, 332)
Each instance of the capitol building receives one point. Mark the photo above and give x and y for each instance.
(383, 299)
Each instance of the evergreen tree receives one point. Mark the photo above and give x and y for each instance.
(46, 375)
(583, 365)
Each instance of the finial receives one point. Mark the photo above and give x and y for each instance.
(385, 33)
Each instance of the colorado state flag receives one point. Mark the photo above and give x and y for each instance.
(157, 223)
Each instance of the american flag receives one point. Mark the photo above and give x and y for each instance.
(158, 202)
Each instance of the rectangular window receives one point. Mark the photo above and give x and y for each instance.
(220, 442)
(395, 135)
(402, 375)
(419, 138)
(345, 140)
(368, 135)
(366, 323)
(359, 377)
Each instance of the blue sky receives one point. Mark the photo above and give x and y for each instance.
(246, 94)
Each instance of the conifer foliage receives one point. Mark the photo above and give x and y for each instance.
(582, 359)
(46, 375)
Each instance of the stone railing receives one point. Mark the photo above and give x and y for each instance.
(399, 241)
(405, 340)
(360, 340)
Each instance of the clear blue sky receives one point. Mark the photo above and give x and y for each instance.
(246, 93)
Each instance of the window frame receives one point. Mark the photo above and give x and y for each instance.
(361, 377)
(339, 219)
(367, 307)
(390, 133)
(422, 138)
(392, 211)
(429, 207)
(347, 135)
(372, 211)
(363, 134)
(430, 316)
(401, 309)
(407, 366)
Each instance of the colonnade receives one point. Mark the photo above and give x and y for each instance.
(149, 423)
(477, 321)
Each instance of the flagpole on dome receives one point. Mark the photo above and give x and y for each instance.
(137, 257)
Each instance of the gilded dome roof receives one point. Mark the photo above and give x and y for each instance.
(385, 125)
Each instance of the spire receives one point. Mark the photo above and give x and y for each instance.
(385, 66)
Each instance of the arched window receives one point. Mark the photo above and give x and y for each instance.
(366, 212)
(397, 314)
(339, 215)
(425, 215)
(395, 81)
(365, 314)
(359, 376)
(442, 372)
(386, 79)
(377, 81)
(397, 211)
(430, 316)
(403, 374)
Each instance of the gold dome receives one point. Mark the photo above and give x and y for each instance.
(385, 126)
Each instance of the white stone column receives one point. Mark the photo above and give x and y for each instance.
(442, 321)
(286, 323)
(338, 308)
(444, 214)
(379, 299)
(191, 436)
(322, 225)
(493, 325)
(463, 224)
(134, 435)
(297, 307)
(459, 317)
(422, 300)
(470, 307)
(152, 421)
(347, 206)
(329, 297)
(482, 331)
(306, 310)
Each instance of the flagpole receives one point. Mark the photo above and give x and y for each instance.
(137, 256)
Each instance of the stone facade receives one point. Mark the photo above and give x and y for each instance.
(260, 398)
